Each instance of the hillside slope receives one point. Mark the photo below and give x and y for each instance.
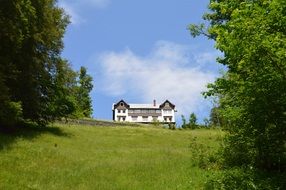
(81, 157)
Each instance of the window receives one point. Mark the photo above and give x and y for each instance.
(134, 118)
(119, 111)
(137, 111)
(123, 118)
(167, 119)
(123, 111)
(158, 111)
(121, 104)
(151, 111)
(130, 111)
(144, 111)
(167, 111)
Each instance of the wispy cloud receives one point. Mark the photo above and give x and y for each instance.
(168, 72)
(96, 3)
(76, 7)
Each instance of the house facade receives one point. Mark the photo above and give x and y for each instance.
(144, 113)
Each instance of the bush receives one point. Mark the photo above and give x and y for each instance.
(247, 178)
(172, 126)
(10, 113)
(156, 123)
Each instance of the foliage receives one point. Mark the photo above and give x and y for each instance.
(193, 121)
(207, 122)
(184, 125)
(216, 118)
(12, 114)
(192, 124)
(31, 35)
(241, 179)
(172, 126)
(32, 72)
(156, 123)
(83, 91)
(252, 36)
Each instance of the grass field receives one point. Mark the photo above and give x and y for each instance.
(78, 157)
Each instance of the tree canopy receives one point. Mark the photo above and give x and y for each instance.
(35, 82)
(252, 36)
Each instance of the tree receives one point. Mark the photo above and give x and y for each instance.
(252, 36)
(184, 125)
(83, 97)
(206, 122)
(215, 117)
(64, 102)
(192, 121)
(31, 33)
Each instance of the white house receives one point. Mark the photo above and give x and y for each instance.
(144, 113)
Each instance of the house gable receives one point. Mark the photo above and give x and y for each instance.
(121, 105)
(167, 105)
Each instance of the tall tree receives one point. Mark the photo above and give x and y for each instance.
(184, 125)
(31, 33)
(83, 94)
(252, 36)
(64, 102)
(193, 121)
(215, 117)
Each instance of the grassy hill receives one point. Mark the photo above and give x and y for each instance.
(84, 157)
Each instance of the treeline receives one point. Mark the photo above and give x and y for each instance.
(252, 93)
(192, 124)
(214, 120)
(36, 83)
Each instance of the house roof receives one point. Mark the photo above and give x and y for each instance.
(170, 104)
(144, 106)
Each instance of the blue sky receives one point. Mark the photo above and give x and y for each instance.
(141, 50)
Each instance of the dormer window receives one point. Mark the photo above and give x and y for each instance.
(121, 104)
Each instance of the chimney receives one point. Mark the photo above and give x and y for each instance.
(154, 103)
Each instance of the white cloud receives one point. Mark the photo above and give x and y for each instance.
(96, 3)
(166, 73)
(76, 7)
(206, 57)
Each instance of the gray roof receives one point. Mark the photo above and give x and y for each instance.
(144, 106)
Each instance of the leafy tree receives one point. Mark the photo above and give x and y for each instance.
(31, 33)
(83, 94)
(252, 36)
(216, 119)
(192, 121)
(184, 125)
(206, 122)
(65, 103)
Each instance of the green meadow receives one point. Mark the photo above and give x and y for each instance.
(84, 157)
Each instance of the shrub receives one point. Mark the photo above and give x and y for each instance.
(246, 178)
(10, 113)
